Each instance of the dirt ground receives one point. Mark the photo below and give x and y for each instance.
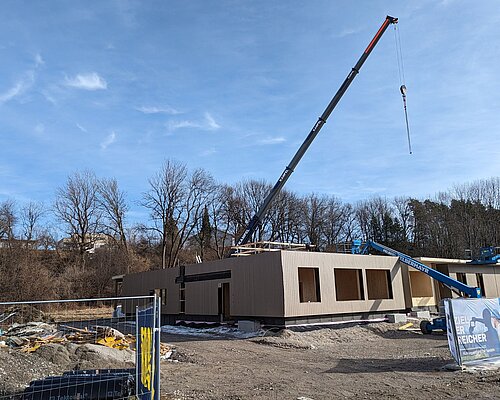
(18, 369)
(374, 361)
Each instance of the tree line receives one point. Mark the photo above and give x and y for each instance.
(191, 216)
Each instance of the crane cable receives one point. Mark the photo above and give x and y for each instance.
(402, 88)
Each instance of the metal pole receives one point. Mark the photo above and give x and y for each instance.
(157, 391)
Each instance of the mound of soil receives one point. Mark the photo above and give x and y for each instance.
(18, 369)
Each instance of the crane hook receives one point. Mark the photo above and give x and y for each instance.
(402, 89)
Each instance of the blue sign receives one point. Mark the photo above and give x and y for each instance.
(473, 329)
(148, 366)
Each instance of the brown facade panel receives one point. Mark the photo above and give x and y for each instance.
(378, 284)
(349, 284)
(421, 284)
(326, 264)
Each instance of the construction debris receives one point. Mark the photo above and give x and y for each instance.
(22, 314)
(30, 336)
(405, 326)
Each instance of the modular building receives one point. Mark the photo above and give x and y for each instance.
(298, 287)
(277, 288)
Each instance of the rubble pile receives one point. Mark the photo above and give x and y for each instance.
(24, 313)
(29, 337)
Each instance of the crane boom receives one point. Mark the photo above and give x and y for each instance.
(257, 218)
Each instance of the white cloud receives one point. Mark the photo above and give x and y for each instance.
(90, 81)
(39, 60)
(40, 128)
(174, 125)
(211, 122)
(49, 97)
(208, 123)
(158, 110)
(19, 87)
(347, 32)
(208, 152)
(272, 140)
(110, 139)
(81, 128)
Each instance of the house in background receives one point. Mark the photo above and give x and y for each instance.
(92, 242)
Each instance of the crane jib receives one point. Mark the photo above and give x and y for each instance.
(258, 217)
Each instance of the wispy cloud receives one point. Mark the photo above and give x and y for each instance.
(20, 87)
(208, 152)
(272, 140)
(48, 96)
(158, 110)
(81, 128)
(91, 81)
(174, 125)
(109, 140)
(39, 60)
(208, 123)
(40, 128)
(211, 122)
(346, 32)
(23, 84)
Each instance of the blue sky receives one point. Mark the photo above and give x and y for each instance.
(235, 86)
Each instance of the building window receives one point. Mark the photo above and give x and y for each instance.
(309, 290)
(348, 284)
(480, 284)
(378, 284)
(421, 284)
(462, 277)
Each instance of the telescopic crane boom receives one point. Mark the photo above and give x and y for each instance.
(257, 218)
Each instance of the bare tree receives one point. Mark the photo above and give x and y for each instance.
(227, 217)
(114, 206)
(77, 207)
(404, 215)
(31, 216)
(337, 218)
(175, 201)
(8, 220)
(285, 215)
(314, 208)
(253, 193)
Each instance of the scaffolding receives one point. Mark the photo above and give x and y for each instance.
(249, 249)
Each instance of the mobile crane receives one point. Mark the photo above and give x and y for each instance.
(257, 218)
(455, 286)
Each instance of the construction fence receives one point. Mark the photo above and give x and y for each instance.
(80, 349)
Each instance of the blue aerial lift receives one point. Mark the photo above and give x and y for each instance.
(463, 290)
(487, 255)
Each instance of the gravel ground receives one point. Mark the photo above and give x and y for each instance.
(374, 361)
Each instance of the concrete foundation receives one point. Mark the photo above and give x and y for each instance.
(248, 326)
(396, 318)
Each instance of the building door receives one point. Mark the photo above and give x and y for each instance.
(224, 302)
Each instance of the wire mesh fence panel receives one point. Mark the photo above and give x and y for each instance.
(81, 349)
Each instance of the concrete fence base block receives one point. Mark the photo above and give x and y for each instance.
(396, 318)
(248, 326)
(421, 314)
